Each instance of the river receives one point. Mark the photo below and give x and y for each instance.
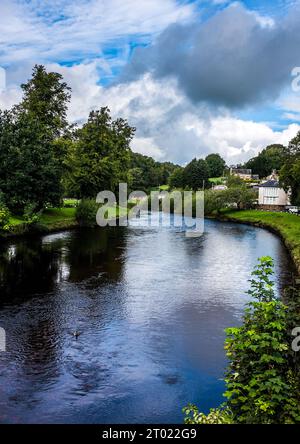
(150, 307)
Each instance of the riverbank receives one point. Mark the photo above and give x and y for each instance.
(51, 220)
(285, 225)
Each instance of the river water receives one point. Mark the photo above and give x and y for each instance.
(150, 307)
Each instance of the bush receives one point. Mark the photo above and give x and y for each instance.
(86, 212)
(262, 377)
(4, 217)
(215, 416)
(31, 215)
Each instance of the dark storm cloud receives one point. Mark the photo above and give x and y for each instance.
(233, 59)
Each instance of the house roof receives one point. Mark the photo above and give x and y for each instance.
(241, 171)
(270, 184)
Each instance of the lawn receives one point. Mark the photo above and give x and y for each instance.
(287, 225)
(57, 215)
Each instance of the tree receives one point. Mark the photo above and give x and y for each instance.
(176, 179)
(242, 197)
(271, 158)
(290, 172)
(99, 159)
(31, 157)
(196, 174)
(46, 97)
(146, 173)
(215, 164)
(290, 179)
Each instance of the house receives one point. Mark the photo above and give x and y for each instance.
(244, 174)
(272, 196)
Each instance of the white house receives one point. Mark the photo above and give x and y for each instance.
(272, 196)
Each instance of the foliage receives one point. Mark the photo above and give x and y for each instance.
(215, 164)
(236, 197)
(146, 173)
(234, 181)
(4, 217)
(196, 174)
(271, 158)
(215, 201)
(31, 215)
(290, 178)
(261, 379)
(241, 197)
(99, 158)
(215, 416)
(176, 179)
(45, 97)
(86, 212)
(30, 158)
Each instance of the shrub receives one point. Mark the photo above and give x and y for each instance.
(31, 215)
(215, 416)
(261, 380)
(86, 212)
(4, 217)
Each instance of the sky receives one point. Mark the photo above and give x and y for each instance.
(194, 77)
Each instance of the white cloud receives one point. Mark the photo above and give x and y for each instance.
(62, 30)
(169, 126)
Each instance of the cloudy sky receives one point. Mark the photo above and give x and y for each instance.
(194, 77)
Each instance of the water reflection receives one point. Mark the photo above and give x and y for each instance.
(151, 306)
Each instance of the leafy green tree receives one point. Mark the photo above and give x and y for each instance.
(31, 159)
(234, 181)
(30, 170)
(99, 159)
(242, 197)
(176, 179)
(271, 158)
(196, 174)
(290, 172)
(146, 173)
(46, 97)
(215, 164)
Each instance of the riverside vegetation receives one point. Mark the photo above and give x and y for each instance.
(262, 378)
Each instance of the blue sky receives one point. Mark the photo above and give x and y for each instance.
(194, 77)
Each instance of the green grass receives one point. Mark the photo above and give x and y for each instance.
(287, 225)
(15, 220)
(217, 180)
(71, 202)
(57, 215)
(164, 188)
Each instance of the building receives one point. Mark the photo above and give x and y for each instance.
(244, 174)
(272, 196)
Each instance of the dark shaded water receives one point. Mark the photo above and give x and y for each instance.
(151, 306)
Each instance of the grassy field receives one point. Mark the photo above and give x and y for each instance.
(286, 225)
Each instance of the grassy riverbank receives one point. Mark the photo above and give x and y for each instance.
(52, 219)
(287, 226)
